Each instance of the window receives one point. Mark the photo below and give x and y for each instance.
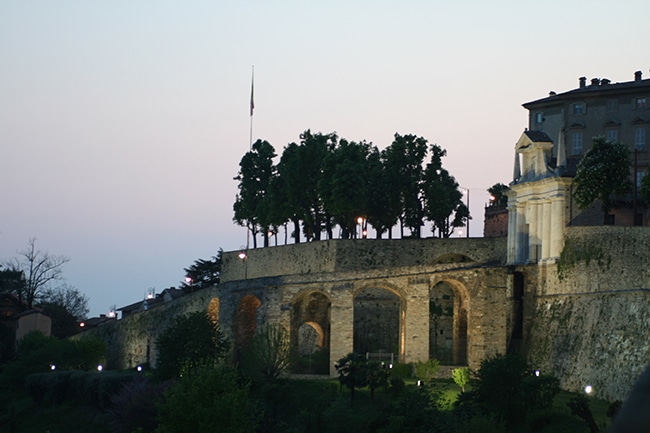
(639, 139)
(610, 220)
(578, 108)
(577, 143)
(639, 178)
(612, 106)
(612, 135)
(539, 117)
(641, 103)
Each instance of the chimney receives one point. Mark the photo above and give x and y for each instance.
(605, 82)
(583, 82)
(552, 93)
(637, 75)
(595, 81)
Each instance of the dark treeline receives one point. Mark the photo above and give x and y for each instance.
(327, 187)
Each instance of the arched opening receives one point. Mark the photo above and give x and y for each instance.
(448, 316)
(245, 322)
(310, 333)
(377, 324)
(213, 310)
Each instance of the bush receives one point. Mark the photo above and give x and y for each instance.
(134, 405)
(461, 377)
(268, 354)
(191, 341)
(206, 400)
(403, 371)
(426, 371)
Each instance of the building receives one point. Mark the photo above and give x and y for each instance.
(560, 131)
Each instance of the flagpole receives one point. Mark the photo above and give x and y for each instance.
(252, 107)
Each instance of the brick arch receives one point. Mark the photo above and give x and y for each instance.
(245, 321)
(310, 316)
(460, 314)
(452, 258)
(379, 311)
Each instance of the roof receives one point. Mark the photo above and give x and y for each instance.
(597, 87)
(538, 136)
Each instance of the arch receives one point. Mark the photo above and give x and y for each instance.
(310, 330)
(452, 258)
(310, 338)
(245, 321)
(213, 310)
(378, 320)
(449, 322)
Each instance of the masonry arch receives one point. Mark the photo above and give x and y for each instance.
(448, 322)
(245, 321)
(379, 321)
(310, 330)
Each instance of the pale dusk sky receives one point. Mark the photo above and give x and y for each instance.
(122, 123)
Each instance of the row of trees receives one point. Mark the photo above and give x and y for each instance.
(326, 181)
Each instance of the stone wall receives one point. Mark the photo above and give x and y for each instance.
(589, 314)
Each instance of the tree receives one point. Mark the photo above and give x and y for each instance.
(461, 377)
(498, 194)
(66, 306)
(344, 184)
(255, 173)
(383, 195)
(404, 159)
(38, 270)
(353, 372)
(191, 341)
(203, 273)
(268, 353)
(603, 173)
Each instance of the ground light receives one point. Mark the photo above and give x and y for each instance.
(588, 389)
(100, 367)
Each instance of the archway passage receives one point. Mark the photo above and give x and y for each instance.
(245, 322)
(448, 323)
(377, 323)
(310, 333)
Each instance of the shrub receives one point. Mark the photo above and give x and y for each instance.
(404, 371)
(134, 405)
(206, 400)
(461, 377)
(191, 341)
(426, 371)
(268, 354)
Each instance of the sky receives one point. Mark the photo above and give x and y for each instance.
(122, 123)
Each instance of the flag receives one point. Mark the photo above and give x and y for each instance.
(252, 102)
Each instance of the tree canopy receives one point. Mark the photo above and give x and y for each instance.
(325, 181)
(602, 174)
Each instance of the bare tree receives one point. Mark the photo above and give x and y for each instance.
(39, 269)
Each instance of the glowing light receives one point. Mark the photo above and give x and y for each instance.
(52, 367)
(588, 389)
(139, 368)
(242, 255)
(537, 373)
(82, 324)
(100, 367)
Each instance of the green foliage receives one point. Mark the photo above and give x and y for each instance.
(206, 400)
(191, 341)
(498, 194)
(603, 173)
(506, 387)
(352, 370)
(37, 353)
(268, 354)
(203, 273)
(461, 377)
(426, 371)
(575, 251)
(401, 370)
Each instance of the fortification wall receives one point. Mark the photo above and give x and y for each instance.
(131, 340)
(355, 255)
(591, 311)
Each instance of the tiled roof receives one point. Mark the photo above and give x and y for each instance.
(538, 136)
(607, 87)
